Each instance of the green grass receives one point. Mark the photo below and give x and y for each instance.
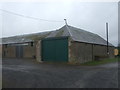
(91, 63)
(99, 62)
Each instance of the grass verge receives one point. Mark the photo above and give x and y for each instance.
(99, 62)
(91, 63)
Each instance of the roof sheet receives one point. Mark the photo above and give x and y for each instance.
(75, 33)
(85, 36)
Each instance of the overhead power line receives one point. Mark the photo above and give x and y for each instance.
(29, 16)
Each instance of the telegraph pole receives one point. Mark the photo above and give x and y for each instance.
(65, 21)
(107, 39)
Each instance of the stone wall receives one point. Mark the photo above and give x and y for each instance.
(9, 51)
(100, 51)
(38, 51)
(80, 52)
(84, 52)
(29, 51)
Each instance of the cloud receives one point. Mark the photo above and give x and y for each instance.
(90, 16)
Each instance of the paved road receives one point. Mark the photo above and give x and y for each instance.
(0, 72)
(30, 74)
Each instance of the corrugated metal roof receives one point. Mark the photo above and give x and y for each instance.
(75, 33)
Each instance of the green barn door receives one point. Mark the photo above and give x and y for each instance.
(55, 50)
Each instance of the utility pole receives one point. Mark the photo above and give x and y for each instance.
(107, 39)
(65, 21)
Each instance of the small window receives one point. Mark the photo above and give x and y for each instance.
(32, 44)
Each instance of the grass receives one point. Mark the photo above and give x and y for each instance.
(91, 63)
(99, 62)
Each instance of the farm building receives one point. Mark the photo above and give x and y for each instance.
(67, 44)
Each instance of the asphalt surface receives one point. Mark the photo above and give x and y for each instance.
(0, 73)
(30, 74)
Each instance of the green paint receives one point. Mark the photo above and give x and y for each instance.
(55, 50)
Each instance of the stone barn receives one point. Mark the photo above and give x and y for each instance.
(67, 44)
(18, 47)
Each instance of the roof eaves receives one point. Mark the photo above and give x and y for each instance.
(92, 43)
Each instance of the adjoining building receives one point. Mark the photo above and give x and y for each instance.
(67, 44)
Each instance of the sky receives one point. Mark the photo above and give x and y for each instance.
(90, 16)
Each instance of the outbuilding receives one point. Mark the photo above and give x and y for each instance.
(67, 44)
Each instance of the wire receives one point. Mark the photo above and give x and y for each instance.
(29, 16)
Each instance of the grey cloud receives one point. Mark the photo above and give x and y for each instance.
(89, 16)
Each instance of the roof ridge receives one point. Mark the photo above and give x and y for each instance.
(83, 30)
(68, 30)
(76, 34)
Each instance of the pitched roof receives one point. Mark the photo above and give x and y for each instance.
(76, 34)
(85, 36)
(24, 38)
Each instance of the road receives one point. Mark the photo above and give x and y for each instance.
(30, 74)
